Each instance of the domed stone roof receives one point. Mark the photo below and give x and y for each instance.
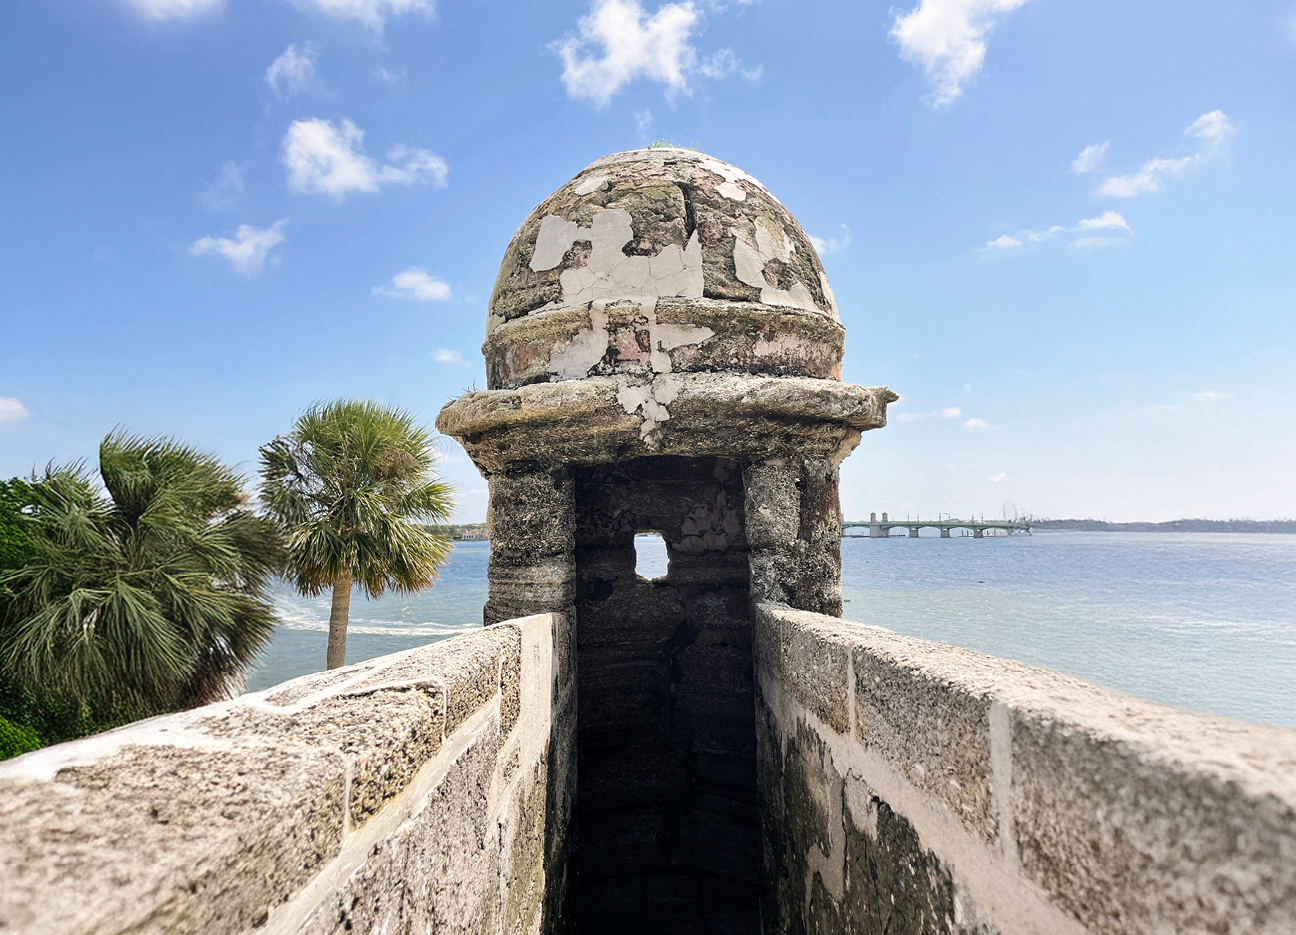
(662, 302)
(657, 260)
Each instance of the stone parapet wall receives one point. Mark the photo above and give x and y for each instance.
(911, 787)
(427, 790)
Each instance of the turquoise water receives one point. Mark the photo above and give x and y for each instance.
(1202, 621)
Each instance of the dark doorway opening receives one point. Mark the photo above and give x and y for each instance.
(667, 831)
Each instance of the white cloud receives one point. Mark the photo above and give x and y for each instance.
(11, 410)
(162, 10)
(1209, 396)
(446, 356)
(291, 72)
(948, 38)
(950, 412)
(323, 159)
(415, 283)
(975, 424)
(618, 42)
(389, 77)
(1090, 157)
(247, 251)
(832, 244)
(372, 14)
(1213, 131)
(226, 191)
(643, 120)
(1109, 222)
(997, 478)
(1003, 242)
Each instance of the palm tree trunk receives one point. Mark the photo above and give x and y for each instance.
(339, 614)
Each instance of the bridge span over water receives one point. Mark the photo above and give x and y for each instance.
(881, 529)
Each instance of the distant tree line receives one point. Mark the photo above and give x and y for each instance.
(142, 586)
(1179, 525)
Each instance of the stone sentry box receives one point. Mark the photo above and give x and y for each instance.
(663, 355)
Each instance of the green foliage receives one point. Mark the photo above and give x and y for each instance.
(15, 498)
(145, 597)
(16, 739)
(352, 483)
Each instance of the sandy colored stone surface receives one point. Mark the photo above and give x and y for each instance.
(167, 839)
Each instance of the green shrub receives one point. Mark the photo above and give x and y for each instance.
(16, 739)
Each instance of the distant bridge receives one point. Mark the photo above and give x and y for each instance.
(881, 529)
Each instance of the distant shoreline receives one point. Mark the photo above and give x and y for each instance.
(1286, 526)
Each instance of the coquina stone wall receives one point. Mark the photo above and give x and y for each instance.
(912, 788)
(430, 790)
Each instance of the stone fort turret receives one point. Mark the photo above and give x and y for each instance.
(663, 353)
(713, 751)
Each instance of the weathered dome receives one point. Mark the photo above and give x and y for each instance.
(660, 260)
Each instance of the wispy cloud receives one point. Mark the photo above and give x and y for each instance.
(1003, 242)
(415, 283)
(324, 159)
(444, 355)
(1209, 133)
(997, 478)
(11, 410)
(247, 251)
(619, 42)
(1208, 396)
(643, 120)
(160, 11)
(832, 244)
(950, 412)
(226, 191)
(1090, 157)
(389, 77)
(975, 424)
(372, 14)
(1114, 228)
(948, 39)
(292, 72)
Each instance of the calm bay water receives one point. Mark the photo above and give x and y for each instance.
(1202, 621)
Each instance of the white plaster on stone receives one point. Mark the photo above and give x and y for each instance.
(1016, 905)
(595, 183)
(749, 262)
(577, 357)
(552, 243)
(731, 175)
(610, 274)
(1000, 718)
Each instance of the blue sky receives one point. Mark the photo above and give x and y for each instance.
(1060, 230)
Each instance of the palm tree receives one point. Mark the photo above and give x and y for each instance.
(145, 597)
(349, 483)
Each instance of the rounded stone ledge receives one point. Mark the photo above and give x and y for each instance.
(643, 337)
(602, 419)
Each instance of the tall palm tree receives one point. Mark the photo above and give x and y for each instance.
(350, 484)
(147, 596)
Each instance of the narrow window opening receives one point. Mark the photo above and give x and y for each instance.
(650, 555)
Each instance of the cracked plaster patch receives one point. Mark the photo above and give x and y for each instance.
(749, 263)
(731, 175)
(609, 273)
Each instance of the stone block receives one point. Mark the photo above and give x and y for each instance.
(532, 514)
(932, 729)
(810, 656)
(439, 871)
(1139, 818)
(387, 736)
(165, 839)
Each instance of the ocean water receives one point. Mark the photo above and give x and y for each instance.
(1201, 621)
